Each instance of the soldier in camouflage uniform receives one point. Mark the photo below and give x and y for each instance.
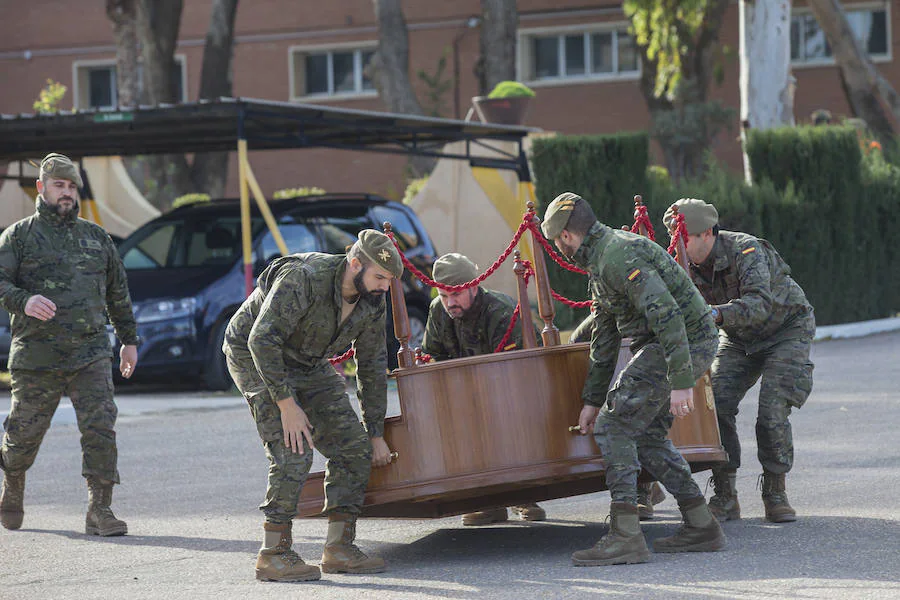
(307, 308)
(649, 493)
(766, 328)
(469, 323)
(59, 278)
(641, 293)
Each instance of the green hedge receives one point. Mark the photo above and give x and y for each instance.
(607, 171)
(832, 212)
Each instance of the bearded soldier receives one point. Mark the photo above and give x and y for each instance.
(60, 276)
(766, 328)
(306, 308)
(468, 323)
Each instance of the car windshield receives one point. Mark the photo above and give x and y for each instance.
(186, 243)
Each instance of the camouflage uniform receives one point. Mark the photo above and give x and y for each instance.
(767, 329)
(75, 264)
(479, 331)
(641, 293)
(277, 345)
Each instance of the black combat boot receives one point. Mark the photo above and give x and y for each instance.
(648, 496)
(12, 499)
(341, 555)
(100, 519)
(775, 499)
(724, 504)
(624, 544)
(276, 560)
(700, 531)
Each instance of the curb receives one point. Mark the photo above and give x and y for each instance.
(853, 330)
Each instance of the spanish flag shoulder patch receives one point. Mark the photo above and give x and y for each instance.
(633, 275)
(749, 250)
(509, 347)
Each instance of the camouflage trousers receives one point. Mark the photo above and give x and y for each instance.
(632, 427)
(35, 396)
(786, 373)
(336, 432)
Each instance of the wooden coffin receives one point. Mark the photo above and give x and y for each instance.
(494, 431)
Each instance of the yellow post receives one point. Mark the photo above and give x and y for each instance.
(264, 209)
(245, 218)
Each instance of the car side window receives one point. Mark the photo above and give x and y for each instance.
(401, 225)
(297, 237)
(338, 233)
(154, 251)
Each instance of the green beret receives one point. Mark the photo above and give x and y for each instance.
(454, 269)
(379, 249)
(59, 166)
(698, 215)
(556, 217)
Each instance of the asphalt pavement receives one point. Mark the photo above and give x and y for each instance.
(193, 473)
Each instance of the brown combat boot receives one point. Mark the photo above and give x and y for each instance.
(485, 517)
(724, 504)
(341, 555)
(624, 544)
(12, 499)
(775, 499)
(100, 519)
(649, 495)
(529, 512)
(700, 531)
(276, 560)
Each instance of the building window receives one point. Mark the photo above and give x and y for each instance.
(331, 73)
(603, 54)
(96, 84)
(809, 45)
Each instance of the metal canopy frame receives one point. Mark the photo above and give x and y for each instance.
(216, 126)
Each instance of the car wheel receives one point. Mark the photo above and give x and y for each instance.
(215, 373)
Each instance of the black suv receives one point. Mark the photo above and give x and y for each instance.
(186, 274)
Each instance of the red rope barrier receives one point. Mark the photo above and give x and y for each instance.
(336, 360)
(680, 232)
(572, 303)
(641, 217)
(557, 258)
(506, 336)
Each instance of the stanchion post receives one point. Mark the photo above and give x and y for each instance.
(525, 321)
(549, 334)
(405, 355)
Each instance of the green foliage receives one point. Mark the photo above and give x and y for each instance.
(50, 97)
(187, 199)
(298, 192)
(511, 89)
(413, 188)
(436, 86)
(605, 170)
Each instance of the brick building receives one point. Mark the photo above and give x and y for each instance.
(576, 54)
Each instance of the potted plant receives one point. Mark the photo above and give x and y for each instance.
(507, 103)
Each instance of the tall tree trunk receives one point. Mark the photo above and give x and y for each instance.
(389, 69)
(123, 16)
(500, 21)
(862, 80)
(210, 169)
(766, 83)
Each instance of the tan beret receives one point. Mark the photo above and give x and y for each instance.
(454, 269)
(698, 215)
(59, 166)
(556, 217)
(379, 249)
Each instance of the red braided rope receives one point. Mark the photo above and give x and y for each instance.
(506, 336)
(475, 282)
(680, 233)
(336, 360)
(553, 253)
(641, 217)
(567, 302)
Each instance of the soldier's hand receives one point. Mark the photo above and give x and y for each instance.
(127, 360)
(381, 454)
(295, 425)
(587, 417)
(40, 308)
(681, 402)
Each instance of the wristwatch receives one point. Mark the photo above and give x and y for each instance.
(716, 315)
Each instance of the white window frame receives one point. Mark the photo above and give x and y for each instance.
(297, 65)
(525, 68)
(829, 61)
(78, 65)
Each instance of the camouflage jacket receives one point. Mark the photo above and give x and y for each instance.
(751, 285)
(76, 265)
(479, 331)
(292, 321)
(640, 292)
